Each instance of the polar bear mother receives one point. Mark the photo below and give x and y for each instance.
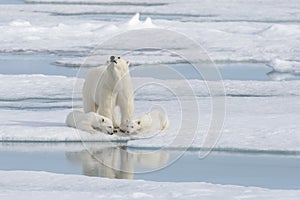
(108, 87)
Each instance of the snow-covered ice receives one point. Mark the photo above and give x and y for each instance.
(229, 31)
(61, 87)
(257, 113)
(42, 185)
(283, 69)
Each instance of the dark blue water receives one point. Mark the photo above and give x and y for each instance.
(269, 171)
(33, 64)
(248, 170)
(45, 64)
(231, 71)
(12, 2)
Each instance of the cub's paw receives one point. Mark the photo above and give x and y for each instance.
(110, 133)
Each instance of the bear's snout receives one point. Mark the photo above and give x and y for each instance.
(112, 58)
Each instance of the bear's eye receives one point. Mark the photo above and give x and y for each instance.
(131, 126)
(139, 122)
(102, 120)
(119, 57)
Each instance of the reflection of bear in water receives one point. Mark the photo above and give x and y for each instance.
(107, 87)
(105, 164)
(116, 162)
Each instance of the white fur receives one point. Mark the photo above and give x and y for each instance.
(154, 120)
(89, 122)
(107, 87)
(116, 162)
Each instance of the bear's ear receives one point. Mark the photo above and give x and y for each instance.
(128, 62)
(139, 122)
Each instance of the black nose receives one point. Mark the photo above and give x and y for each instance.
(112, 58)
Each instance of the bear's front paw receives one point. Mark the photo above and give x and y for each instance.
(115, 130)
(110, 133)
(123, 131)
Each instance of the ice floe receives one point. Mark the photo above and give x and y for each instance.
(43, 185)
(257, 113)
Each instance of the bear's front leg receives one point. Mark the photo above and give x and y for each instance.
(125, 101)
(126, 117)
(127, 110)
(115, 119)
(105, 107)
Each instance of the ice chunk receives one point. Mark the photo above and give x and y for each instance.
(279, 65)
(283, 69)
(257, 117)
(48, 186)
(227, 31)
(135, 23)
(21, 23)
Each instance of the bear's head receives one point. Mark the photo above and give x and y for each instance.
(118, 65)
(105, 124)
(133, 126)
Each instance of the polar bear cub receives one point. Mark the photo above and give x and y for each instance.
(155, 120)
(90, 122)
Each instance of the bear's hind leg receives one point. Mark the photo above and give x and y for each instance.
(89, 106)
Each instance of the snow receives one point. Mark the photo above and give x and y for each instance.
(46, 126)
(283, 69)
(228, 31)
(47, 185)
(60, 89)
(207, 10)
(136, 57)
(51, 146)
(126, 2)
(257, 115)
(42, 185)
(251, 123)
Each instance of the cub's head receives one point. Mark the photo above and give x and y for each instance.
(133, 126)
(118, 65)
(106, 124)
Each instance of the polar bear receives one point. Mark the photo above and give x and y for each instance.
(108, 87)
(90, 122)
(155, 120)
